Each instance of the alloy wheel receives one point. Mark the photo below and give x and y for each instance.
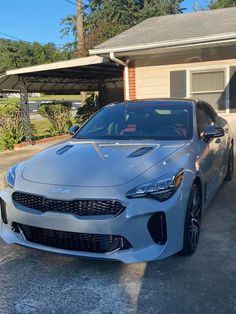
(231, 161)
(195, 219)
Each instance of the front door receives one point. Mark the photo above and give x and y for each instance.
(208, 155)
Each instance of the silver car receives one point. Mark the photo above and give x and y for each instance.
(131, 184)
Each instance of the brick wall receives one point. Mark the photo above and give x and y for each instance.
(132, 81)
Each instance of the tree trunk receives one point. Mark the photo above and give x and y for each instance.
(81, 48)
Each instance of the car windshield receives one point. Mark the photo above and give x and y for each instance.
(168, 121)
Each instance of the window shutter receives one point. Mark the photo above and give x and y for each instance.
(232, 89)
(178, 84)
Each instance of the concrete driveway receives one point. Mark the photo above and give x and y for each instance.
(35, 282)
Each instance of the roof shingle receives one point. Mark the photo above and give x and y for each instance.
(176, 27)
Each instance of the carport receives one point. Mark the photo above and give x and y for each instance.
(66, 77)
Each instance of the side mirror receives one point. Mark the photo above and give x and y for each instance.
(73, 129)
(213, 131)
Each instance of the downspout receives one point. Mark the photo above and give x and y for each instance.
(126, 69)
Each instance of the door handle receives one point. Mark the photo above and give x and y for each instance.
(218, 140)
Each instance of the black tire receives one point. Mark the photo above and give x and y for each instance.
(192, 222)
(230, 166)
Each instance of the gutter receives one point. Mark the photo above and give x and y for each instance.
(126, 68)
(206, 40)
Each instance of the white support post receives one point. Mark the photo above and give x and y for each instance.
(227, 89)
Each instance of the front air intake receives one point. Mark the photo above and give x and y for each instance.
(84, 242)
(3, 211)
(157, 228)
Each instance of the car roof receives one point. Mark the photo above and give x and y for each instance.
(155, 101)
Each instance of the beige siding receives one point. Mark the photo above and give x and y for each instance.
(153, 80)
(231, 118)
(153, 77)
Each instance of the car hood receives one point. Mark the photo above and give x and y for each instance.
(91, 163)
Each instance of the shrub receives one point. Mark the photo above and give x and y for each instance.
(10, 124)
(58, 114)
(90, 107)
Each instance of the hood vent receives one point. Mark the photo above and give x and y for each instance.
(64, 149)
(141, 151)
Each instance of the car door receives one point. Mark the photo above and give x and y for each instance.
(207, 159)
(221, 147)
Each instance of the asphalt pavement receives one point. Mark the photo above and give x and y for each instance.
(205, 283)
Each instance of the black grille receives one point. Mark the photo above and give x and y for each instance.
(87, 242)
(78, 207)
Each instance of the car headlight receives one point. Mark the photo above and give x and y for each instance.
(10, 177)
(161, 189)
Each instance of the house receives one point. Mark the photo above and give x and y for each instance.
(184, 55)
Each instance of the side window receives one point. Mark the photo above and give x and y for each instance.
(202, 120)
(211, 112)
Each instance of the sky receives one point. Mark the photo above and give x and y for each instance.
(33, 20)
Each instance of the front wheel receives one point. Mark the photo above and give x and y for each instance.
(192, 222)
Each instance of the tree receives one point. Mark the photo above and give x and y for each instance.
(153, 8)
(90, 107)
(58, 114)
(82, 51)
(16, 54)
(104, 19)
(219, 4)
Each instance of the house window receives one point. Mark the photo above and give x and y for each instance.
(209, 86)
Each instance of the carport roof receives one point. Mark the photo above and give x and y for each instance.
(65, 76)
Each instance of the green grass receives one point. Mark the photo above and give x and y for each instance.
(41, 128)
(46, 97)
(56, 97)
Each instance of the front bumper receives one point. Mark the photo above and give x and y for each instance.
(132, 224)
